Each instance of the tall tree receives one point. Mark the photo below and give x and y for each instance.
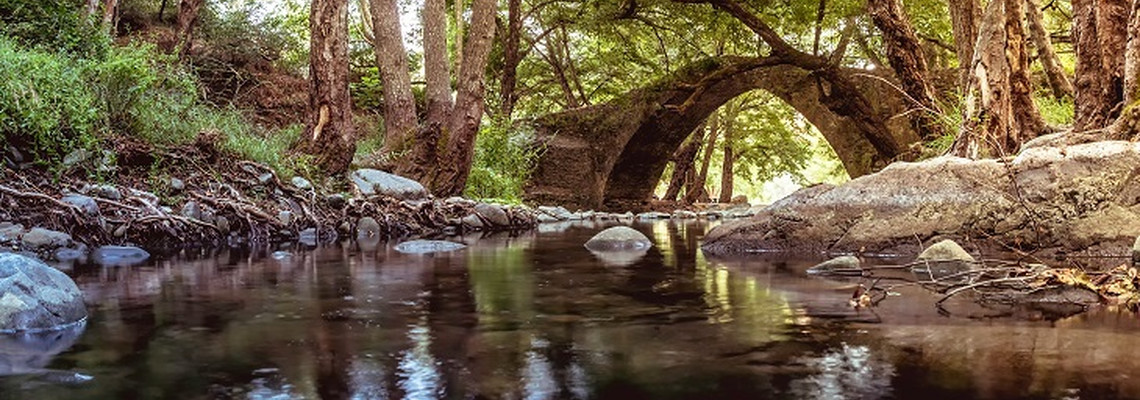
(999, 112)
(1058, 80)
(683, 162)
(1100, 37)
(392, 60)
(188, 11)
(965, 15)
(110, 9)
(468, 111)
(696, 192)
(511, 58)
(328, 126)
(436, 73)
(727, 169)
(904, 52)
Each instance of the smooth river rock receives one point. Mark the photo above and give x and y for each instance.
(493, 214)
(84, 203)
(619, 238)
(119, 256)
(40, 239)
(945, 250)
(428, 246)
(1080, 197)
(846, 265)
(34, 296)
(375, 182)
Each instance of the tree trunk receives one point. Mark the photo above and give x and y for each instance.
(328, 129)
(1098, 30)
(965, 15)
(110, 8)
(188, 11)
(1058, 81)
(511, 59)
(468, 112)
(726, 170)
(1000, 113)
(904, 52)
(683, 162)
(1127, 127)
(419, 164)
(89, 9)
(399, 105)
(696, 192)
(457, 6)
(1027, 120)
(1132, 58)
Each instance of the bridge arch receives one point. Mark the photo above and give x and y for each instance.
(612, 155)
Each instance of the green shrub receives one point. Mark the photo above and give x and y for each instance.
(46, 105)
(504, 159)
(54, 25)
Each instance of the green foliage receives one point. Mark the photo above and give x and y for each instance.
(504, 159)
(1055, 112)
(46, 105)
(52, 24)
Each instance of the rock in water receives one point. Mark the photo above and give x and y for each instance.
(367, 227)
(942, 259)
(121, 256)
(493, 214)
(40, 238)
(36, 296)
(373, 182)
(837, 266)
(428, 246)
(946, 250)
(619, 238)
(31, 352)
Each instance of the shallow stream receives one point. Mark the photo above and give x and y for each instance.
(537, 316)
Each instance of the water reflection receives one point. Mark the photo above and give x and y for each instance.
(536, 316)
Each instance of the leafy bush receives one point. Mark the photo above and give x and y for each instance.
(52, 24)
(46, 105)
(504, 159)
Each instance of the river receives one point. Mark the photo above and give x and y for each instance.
(537, 316)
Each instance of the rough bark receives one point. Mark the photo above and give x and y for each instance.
(188, 11)
(1132, 58)
(399, 105)
(999, 112)
(683, 163)
(904, 52)
(1027, 120)
(965, 15)
(457, 7)
(1100, 39)
(110, 9)
(435, 62)
(328, 127)
(1058, 81)
(511, 58)
(695, 190)
(468, 111)
(727, 170)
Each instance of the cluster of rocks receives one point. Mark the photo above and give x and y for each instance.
(47, 244)
(548, 214)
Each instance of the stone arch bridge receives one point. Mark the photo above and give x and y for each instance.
(611, 155)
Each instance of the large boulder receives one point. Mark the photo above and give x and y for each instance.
(1069, 199)
(375, 182)
(619, 238)
(36, 296)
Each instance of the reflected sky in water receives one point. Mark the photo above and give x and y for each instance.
(537, 316)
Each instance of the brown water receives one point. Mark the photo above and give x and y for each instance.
(539, 317)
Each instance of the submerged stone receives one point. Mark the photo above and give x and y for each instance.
(619, 238)
(24, 353)
(837, 265)
(119, 256)
(36, 296)
(428, 246)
